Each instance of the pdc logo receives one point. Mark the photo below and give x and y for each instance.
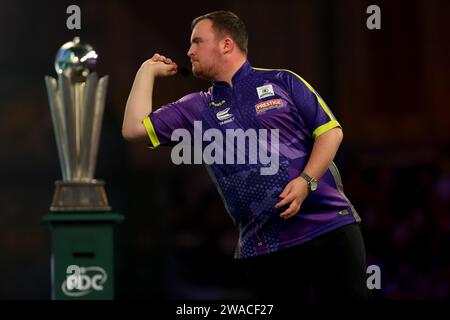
(81, 281)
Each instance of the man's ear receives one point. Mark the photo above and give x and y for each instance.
(227, 45)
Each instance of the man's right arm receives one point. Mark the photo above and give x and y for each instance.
(139, 103)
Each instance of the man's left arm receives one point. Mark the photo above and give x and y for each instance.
(323, 152)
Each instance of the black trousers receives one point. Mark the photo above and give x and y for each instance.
(329, 267)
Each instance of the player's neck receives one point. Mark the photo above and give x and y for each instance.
(230, 68)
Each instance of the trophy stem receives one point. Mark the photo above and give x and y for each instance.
(78, 90)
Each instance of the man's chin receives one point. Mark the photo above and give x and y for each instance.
(198, 74)
(195, 73)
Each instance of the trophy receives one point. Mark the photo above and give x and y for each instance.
(77, 101)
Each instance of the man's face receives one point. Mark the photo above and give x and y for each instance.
(204, 51)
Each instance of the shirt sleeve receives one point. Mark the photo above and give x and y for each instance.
(180, 114)
(313, 110)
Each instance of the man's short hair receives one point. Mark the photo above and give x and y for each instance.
(226, 22)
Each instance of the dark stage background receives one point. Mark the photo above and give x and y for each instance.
(388, 88)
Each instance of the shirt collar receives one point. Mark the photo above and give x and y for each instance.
(241, 74)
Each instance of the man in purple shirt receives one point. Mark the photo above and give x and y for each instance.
(268, 141)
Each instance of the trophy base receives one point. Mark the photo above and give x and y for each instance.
(80, 196)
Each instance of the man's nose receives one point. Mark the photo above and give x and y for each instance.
(190, 52)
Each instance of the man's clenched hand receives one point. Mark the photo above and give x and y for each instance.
(160, 66)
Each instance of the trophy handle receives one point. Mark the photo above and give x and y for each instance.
(97, 123)
(59, 126)
(68, 113)
(87, 125)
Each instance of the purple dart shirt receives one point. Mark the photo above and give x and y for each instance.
(263, 99)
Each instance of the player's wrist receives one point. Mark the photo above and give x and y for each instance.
(148, 70)
(312, 184)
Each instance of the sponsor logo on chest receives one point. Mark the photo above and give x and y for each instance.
(217, 104)
(265, 91)
(268, 105)
(224, 116)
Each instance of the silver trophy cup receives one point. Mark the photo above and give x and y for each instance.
(77, 102)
